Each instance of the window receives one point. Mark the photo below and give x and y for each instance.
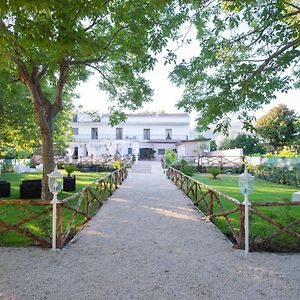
(129, 150)
(161, 151)
(146, 134)
(75, 131)
(119, 133)
(168, 134)
(94, 133)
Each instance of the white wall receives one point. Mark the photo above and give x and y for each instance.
(228, 152)
(134, 127)
(193, 148)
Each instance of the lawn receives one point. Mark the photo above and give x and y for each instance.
(41, 226)
(264, 191)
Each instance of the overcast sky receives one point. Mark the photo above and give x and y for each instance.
(166, 94)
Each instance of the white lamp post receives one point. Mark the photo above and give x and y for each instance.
(55, 182)
(246, 182)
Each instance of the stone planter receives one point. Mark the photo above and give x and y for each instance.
(31, 189)
(69, 183)
(4, 189)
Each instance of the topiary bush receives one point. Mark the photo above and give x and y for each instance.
(70, 169)
(214, 171)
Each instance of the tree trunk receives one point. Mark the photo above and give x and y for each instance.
(45, 112)
(48, 159)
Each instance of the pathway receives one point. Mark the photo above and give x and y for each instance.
(147, 242)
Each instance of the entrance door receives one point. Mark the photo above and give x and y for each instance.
(75, 153)
(144, 153)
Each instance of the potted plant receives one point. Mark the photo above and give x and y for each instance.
(69, 181)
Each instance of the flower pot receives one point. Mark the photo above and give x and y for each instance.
(69, 183)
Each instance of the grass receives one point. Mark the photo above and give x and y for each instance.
(264, 191)
(41, 226)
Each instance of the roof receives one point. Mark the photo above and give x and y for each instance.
(164, 141)
(154, 115)
(193, 141)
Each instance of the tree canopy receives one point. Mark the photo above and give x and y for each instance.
(249, 50)
(279, 126)
(52, 45)
(19, 134)
(249, 143)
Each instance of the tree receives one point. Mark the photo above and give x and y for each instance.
(249, 50)
(19, 130)
(213, 145)
(55, 44)
(279, 126)
(249, 143)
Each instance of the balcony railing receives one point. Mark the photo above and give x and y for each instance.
(87, 138)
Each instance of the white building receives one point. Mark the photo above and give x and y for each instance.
(140, 134)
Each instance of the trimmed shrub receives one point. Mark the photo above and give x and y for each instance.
(214, 171)
(70, 169)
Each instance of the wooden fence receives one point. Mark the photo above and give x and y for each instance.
(72, 212)
(229, 214)
(218, 161)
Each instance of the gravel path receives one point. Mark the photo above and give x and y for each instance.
(147, 242)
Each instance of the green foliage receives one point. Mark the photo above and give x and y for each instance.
(289, 152)
(19, 134)
(188, 170)
(245, 49)
(170, 157)
(213, 145)
(214, 171)
(285, 175)
(70, 169)
(249, 143)
(278, 126)
(117, 164)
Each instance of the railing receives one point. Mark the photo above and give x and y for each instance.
(218, 161)
(112, 137)
(229, 214)
(72, 212)
(91, 160)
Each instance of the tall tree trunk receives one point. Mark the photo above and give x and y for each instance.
(48, 159)
(45, 112)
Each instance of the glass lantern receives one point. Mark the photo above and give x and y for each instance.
(55, 181)
(246, 182)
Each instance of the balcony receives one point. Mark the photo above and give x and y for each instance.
(88, 138)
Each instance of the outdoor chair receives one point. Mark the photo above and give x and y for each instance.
(4, 189)
(31, 189)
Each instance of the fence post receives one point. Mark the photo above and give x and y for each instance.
(241, 243)
(101, 193)
(87, 204)
(59, 226)
(110, 184)
(181, 181)
(196, 194)
(187, 184)
(116, 180)
(211, 203)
